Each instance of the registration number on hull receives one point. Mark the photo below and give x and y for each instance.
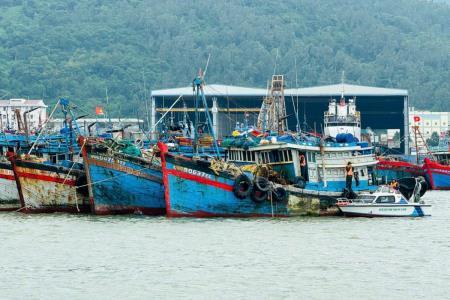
(193, 172)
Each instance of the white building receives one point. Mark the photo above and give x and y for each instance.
(12, 113)
(428, 122)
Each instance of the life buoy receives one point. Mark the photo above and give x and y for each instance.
(299, 182)
(279, 194)
(259, 196)
(262, 183)
(242, 186)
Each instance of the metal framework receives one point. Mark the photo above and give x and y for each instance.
(273, 111)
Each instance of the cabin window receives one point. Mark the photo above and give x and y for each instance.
(253, 156)
(362, 173)
(385, 199)
(290, 155)
(274, 156)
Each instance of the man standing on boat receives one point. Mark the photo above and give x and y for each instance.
(302, 165)
(349, 176)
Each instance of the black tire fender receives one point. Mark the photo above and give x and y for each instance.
(262, 183)
(243, 186)
(259, 196)
(279, 194)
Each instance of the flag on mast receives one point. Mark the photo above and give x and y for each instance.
(99, 111)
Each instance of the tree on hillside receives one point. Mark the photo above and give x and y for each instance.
(433, 141)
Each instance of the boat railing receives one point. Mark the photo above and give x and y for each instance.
(368, 158)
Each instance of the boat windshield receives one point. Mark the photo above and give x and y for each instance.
(365, 198)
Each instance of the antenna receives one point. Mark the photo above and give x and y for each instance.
(107, 105)
(342, 82)
(206, 67)
(296, 89)
(275, 66)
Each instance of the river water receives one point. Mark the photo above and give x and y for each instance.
(59, 256)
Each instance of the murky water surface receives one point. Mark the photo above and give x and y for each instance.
(60, 256)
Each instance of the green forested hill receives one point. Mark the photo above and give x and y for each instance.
(78, 48)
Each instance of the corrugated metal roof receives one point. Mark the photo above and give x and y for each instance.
(349, 90)
(22, 102)
(326, 90)
(213, 90)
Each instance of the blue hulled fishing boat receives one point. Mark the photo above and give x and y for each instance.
(120, 180)
(274, 174)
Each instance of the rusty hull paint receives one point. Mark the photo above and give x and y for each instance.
(46, 191)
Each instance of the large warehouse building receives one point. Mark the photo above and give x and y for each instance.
(383, 110)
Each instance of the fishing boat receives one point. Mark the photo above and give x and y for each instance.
(437, 172)
(52, 183)
(9, 196)
(120, 181)
(303, 175)
(388, 202)
(389, 168)
(45, 187)
(47, 146)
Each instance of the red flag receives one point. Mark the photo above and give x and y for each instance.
(98, 110)
(416, 119)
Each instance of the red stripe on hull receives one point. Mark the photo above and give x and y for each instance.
(7, 177)
(47, 178)
(201, 180)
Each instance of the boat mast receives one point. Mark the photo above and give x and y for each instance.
(198, 84)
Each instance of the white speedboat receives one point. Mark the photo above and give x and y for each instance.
(387, 202)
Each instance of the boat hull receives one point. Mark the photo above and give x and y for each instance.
(193, 190)
(124, 185)
(9, 196)
(48, 188)
(389, 170)
(395, 210)
(438, 176)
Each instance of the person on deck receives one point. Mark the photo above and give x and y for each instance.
(302, 165)
(394, 184)
(348, 176)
